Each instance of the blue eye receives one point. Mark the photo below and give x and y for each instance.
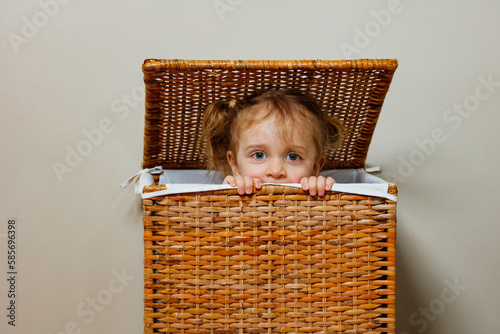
(259, 155)
(293, 157)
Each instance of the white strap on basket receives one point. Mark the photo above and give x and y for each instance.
(142, 178)
(145, 177)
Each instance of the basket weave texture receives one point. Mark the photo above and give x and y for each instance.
(178, 92)
(278, 260)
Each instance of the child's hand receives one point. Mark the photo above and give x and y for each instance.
(245, 184)
(317, 185)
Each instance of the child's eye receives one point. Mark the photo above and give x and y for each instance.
(292, 157)
(259, 155)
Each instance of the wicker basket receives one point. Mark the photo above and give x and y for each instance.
(278, 260)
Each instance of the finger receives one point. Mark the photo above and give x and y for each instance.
(313, 187)
(257, 183)
(329, 183)
(248, 185)
(321, 185)
(229, 180)
(240, 184)
(304, 183)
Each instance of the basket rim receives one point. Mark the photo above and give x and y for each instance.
(156, 64)
(267, 189)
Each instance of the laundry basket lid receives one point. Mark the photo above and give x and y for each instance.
(178, 92)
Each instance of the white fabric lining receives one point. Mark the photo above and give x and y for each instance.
(355, 181)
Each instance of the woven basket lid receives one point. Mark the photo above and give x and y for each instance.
(178, 92)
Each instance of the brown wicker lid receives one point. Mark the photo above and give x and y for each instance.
(178, 92)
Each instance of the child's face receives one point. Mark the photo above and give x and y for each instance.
(263, 153)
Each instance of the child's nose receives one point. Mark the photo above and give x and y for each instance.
(276, 170)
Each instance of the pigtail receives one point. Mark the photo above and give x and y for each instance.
(217, 135)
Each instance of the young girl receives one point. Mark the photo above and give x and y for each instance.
(273, 136)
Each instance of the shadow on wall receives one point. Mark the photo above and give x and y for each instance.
(417, 313)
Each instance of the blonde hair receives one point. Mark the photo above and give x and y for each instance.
(224, 120)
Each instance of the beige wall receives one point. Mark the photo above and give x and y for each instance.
(71, 129)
